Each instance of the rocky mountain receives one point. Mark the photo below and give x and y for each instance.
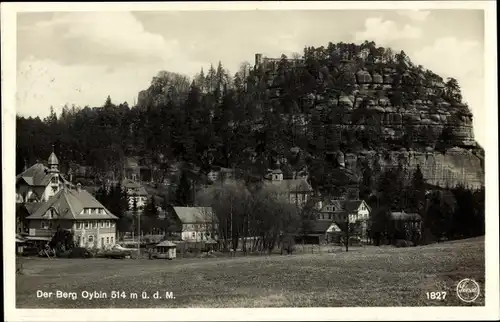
(418, 117)
(327, 115)
(380, 106)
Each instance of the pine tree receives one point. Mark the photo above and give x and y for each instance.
(108, 102)
(151, 209)
(417, 191)
(366, 183)
(183, 195)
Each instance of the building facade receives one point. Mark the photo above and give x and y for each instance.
(39, 182)
(196, 223)
(77, 210)
(295, 191)
(356, 212)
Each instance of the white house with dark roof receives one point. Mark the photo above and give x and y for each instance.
(296, 191)
(356, 211)
(93, 225)
(39, 182)
(196, 223)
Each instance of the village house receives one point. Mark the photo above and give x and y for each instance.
(23, 210)
(135, 191)
(93, 225)
(356, 211)
(296, 191)
(39, 182)
(320, 231)
(196, 223)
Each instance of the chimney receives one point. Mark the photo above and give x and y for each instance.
(78, 187)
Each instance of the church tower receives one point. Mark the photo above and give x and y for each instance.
(53, 162)
(53, 171)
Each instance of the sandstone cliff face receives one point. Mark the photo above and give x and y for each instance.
(457, 166)
(461, 162)
(425, 110)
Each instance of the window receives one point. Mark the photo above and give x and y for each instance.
(91, 239)
(112, 224)
(102, 241)
(46, 224)
(87, 225)
(329, 216)
(79, 225)
(96, 224)
(107, 240)
(83, 239)
(112, 242)
(193, 235)
(54, 189)
(108, 224)
(103, 224)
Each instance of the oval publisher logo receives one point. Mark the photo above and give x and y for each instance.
(468, 290)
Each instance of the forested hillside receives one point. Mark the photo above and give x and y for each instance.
(338, 112)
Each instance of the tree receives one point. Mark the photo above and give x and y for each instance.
(391, 187)
(418, 191)
(150, 215)
(183, 195)
(439, 215)
(452, 90)
(366, 183)
(108, 102)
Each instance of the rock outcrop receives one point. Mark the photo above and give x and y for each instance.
(457, 166)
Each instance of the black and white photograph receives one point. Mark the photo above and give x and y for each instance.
(252, 155)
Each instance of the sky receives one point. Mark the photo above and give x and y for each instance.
(82, 57)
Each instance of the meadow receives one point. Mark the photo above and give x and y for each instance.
(364, 276)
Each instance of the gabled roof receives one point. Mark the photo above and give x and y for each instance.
(166, 243)
(292, 185)
(127, 183)
(324, 226)
(36, 175)
(69, 204)
(347, 205)
(130, 184)
(195, 215)
(32, 207)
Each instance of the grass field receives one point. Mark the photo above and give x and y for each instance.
(368, 276)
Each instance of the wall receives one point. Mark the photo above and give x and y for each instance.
(197, 231)
(98, 232)
(35, 227)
